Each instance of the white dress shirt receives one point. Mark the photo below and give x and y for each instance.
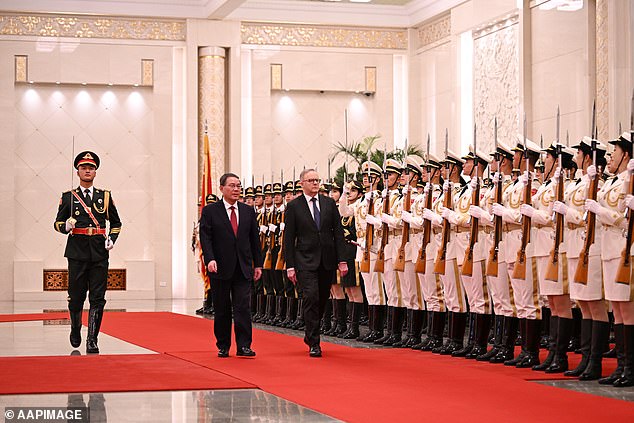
(310, 204)
(228, 210)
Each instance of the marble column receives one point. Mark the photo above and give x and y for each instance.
(211, 110)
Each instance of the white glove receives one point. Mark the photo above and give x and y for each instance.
(272, 227)
(384, 193)
(372, 220)
(473, 183)
(557, 173)
(346, 190)
(629, 200)
(427, 188)
(498, 209)
(476, 212)
(70, 223)
(361, 243)
(559, 207)
(264, 229)
(630, 165)
(496, 176)
(446, 185)
(527, 210)
(432, 217)
(450, 215)
(282, 226)
(405, 189)
(525, 177)
(388, 220)
(109, 244)
(406, 216)
(367, 196)
(592, 171)
(604, 214)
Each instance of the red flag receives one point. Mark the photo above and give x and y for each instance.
(205, 189)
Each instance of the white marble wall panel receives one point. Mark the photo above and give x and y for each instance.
(562, 72)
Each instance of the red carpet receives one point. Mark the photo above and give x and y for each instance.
(351, 384)
(33, 316)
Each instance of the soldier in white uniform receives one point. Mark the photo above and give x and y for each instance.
(525, 291)
(450, 278)
(373, 284)
(498, 284)
(430, 282)
(609, 209)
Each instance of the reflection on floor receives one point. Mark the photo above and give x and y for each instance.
(592, 387)
(244, 405)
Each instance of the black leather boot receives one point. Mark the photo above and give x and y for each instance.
(531, 344)
(445, 345)
(427, 317)
(564, 332)
(291, 311)
(497, 340)
(371, 324)
(545, 328)
(280, 310)
(342, 318)
(75, 328)
(298, 324)
(437, 329)
(326, 320)
(417, 327)
(353, 330)
(408, 330)
(462, 352)
(509, 334)
(522, 354)
(552, 345)
(261, 307)
(600, 335)
(94, 324)
(390, 318)
(620, 356)
(208, 304)
(575, 332)
(482, 327)
(378, 324)
(270, 310)
(456, 333)
(584, 347)
(397, 326)
(627, 377)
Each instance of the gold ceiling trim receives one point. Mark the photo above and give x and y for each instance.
(435, 31)
(323, 36)
(84, 26)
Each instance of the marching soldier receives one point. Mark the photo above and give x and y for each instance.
(608, 209)
(83, 213)
(595, 327)
(498, 282)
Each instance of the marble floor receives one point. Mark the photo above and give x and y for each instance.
(36, 338)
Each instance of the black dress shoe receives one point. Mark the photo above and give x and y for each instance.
(223, 352)
(75, 337)
(315, 351)
(245, 352)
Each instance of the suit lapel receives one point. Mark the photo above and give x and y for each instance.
(225, 217)
(306, 207)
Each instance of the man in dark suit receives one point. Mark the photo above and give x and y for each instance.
(231, 249)
(313, 243)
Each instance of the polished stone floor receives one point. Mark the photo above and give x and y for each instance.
(38, 338)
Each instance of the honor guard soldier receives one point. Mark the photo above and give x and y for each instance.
(83, 213)
(472, 262)
(407, 246)
(524, 287)
(583, 245)
(249, 196)
(259, 289)
(267, 269)
(386, 230)
(298, 324)
(275, 229)
(446, 264)
(366, 252)
(427, 250)
(290, 292)
(497, 273)
(617, 283)
(208, 301)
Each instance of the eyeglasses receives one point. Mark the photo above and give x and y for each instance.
(234, 186)
(312, 181)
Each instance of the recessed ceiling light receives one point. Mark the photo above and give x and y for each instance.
(360, 1)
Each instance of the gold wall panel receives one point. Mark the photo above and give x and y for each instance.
(322, 36)
(57, 279)
(370, 79)
(434, 31)
(147, 72)
(78, 26)
(276, 76)
(21, 68)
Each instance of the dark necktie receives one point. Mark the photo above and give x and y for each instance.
(316, 215)
(87, 196)
(234, 220)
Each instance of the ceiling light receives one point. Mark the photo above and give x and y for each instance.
(360, 1)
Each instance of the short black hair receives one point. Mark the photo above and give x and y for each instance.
(223, 178)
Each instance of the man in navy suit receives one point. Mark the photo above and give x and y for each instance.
(314, 245)
(231, 249)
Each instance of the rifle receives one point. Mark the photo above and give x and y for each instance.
(379, 265)
(581, 274)
(552, 270)
(624, 272)
(493, 261)
(439, 264)
(467, 264)
(519, 272)
(421, 262)
(280, 264)
(364, 266)
(399, 263)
